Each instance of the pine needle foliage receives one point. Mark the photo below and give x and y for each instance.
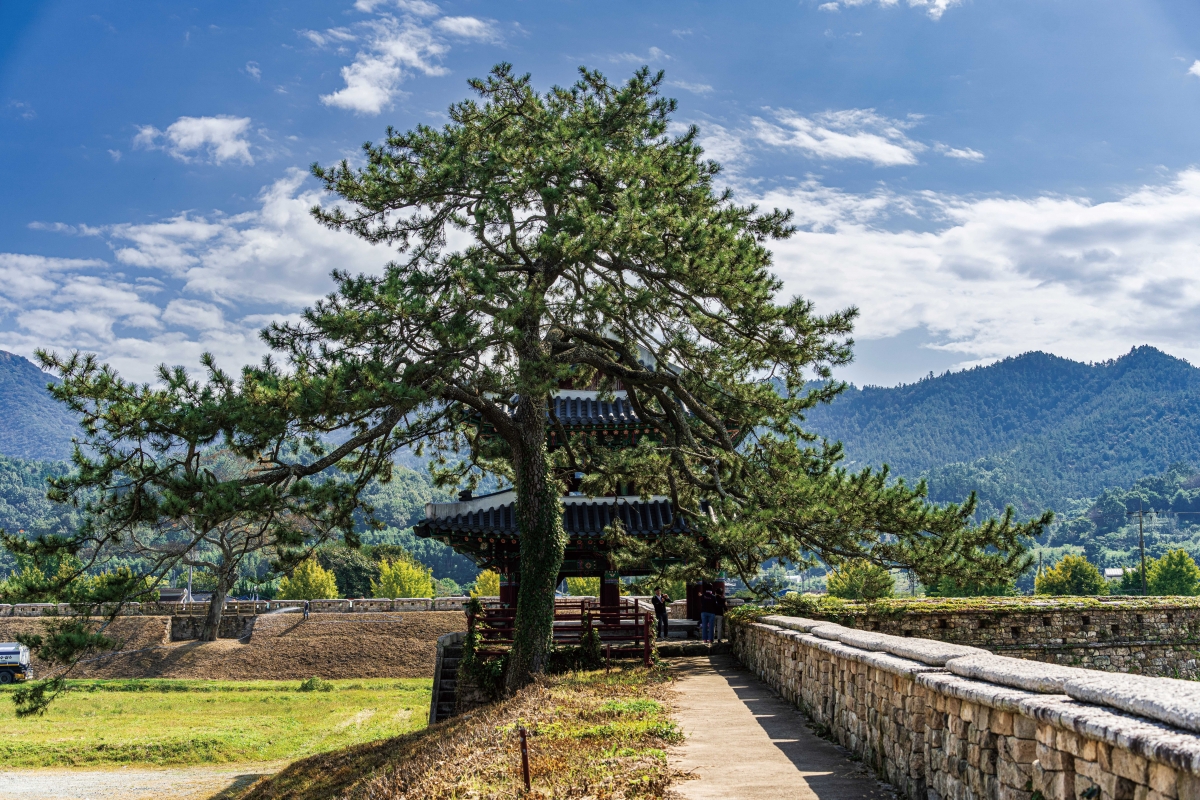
(571, 235)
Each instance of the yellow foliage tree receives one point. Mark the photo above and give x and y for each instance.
(309, 581)
(1073, 575)
(487, 584)
(404, 578)
(583, 587)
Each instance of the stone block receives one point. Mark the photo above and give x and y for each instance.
(1021, 751)
(1162, 779)
(1128, 765)
(1175, 702)
(1002, 723)
(1068, 742)
(1024, 727)
(1050, 758)
(1187, 786)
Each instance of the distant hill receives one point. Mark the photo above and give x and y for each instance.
(1035, 430)
(33, 424)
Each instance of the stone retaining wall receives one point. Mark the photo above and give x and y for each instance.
(1148, 636)
(944, 721)
(247, 607)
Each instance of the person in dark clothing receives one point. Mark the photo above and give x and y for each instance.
(661, 601)
(306, 608)
(719, 617)
(708, 615)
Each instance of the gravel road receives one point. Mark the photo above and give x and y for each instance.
(133, 783)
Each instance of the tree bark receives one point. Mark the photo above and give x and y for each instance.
(216, 608)
(543, 541)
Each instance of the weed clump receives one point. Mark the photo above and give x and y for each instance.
(315, 684)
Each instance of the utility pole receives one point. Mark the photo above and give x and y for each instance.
(1141, 541)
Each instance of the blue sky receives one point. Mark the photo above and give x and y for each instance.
(980, 177)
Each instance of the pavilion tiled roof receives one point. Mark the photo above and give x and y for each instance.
(580, 519)
(575, 411)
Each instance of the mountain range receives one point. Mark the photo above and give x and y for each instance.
(33, 425)
(1036, 430)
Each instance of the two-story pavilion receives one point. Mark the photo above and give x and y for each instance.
(484, 528)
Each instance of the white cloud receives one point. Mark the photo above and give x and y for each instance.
(331, 36)
(1000, 276)
(393, 48)
(652, 55)
(115, 155)
(855, 133)
(695, 88)
(191, 284)
(1194, 69)
(419, 8)
(467, 28)
(253, 70)
(217, 139)
(934, 8)
(962, 153)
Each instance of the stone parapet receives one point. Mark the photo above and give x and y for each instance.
(945, 721)
(1145, 635)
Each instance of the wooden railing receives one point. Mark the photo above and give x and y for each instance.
(625, 629)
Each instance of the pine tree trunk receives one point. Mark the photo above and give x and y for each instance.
(216, 608)
(539, 518)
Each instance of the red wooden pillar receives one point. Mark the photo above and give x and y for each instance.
(610, 597)
(508, 589)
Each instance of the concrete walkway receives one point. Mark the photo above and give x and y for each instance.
(744, 742)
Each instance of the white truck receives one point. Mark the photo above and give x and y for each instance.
(14, 662)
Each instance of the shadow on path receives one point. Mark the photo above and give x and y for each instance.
(744, 741)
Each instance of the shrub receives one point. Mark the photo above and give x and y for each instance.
(309, 581)
(315, 684)
(1175, 573)
(403, 578)
(446, 587)
(487, 584)
(1073, 575)
(948, 587)
(859, 579)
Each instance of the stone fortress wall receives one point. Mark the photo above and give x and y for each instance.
(247, 607)
(1148, 636)
(946, 721)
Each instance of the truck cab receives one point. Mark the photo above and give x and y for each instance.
(14, 662)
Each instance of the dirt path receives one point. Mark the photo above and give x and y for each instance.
(133, 783)
(745, 743)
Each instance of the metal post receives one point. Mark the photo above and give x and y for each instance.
(646, 637)
(524, 757)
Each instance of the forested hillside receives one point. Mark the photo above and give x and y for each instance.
(1036, 430)
(32, 423)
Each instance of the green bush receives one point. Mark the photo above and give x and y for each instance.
(1175, 573)
(859, 579)
(315, 684)
(1073, 575)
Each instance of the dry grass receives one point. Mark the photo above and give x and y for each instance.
(591, 735)
(282, 647)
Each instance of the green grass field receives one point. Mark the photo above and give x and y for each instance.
(200, 722)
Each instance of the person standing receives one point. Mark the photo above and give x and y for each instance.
(307, 605)
(719, 616)
(708, 615)
(661, 601)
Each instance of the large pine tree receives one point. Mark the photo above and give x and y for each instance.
(545, 237)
